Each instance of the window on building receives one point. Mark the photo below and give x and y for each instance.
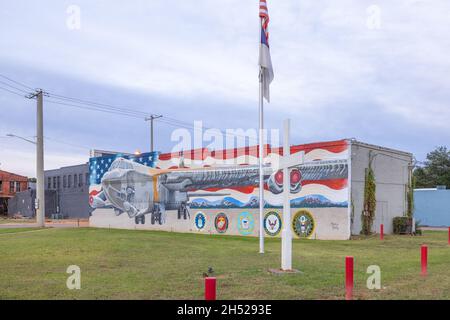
(11, 186)
(69, 181)
(75, 181)
(87, 179)
(80, 179)
(54, 182)
(58, 179)
(1, 186)
(49, 183)
(17, 186)
(64, 181)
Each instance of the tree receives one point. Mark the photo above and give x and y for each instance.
(436, 169)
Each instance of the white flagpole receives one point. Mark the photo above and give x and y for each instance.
(261, 155)
(286, 233)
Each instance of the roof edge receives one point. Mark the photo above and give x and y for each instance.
(374, 146)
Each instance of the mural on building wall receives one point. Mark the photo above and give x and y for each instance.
(272, 223)
(200, 221)
(245, 223)
(303, 224)
(149, 185)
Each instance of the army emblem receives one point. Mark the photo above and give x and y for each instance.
(303, 224)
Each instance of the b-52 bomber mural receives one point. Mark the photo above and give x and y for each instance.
(138, 190)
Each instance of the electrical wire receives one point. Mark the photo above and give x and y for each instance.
(100, 105)
(107, 108)
(14, 87)
(17, 82)
(11, 91)
(130, 112)
(67, 143)
(93, 108)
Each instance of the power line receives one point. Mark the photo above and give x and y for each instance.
(17, 82)
(14, 87)
(165, 120)
(107, 108)
(50, 139)
(131, 113)
(10, 91)
(67, 143)
(94, 109)
(96, 104)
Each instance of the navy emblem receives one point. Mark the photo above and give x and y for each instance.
(272, 223)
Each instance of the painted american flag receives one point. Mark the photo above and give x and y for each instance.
(99, 165)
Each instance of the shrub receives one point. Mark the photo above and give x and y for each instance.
(402, 225)
(418, 230)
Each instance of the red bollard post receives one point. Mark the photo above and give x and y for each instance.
(424, 259)
(381, 231)
(210, 288)
(348, 278)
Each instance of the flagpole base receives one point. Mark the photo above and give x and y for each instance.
(281, 272)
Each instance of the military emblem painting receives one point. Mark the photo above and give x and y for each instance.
(245, 223)
(221, 223)
(177, 191)
(272, 223)
(200, 221)
(303, 224)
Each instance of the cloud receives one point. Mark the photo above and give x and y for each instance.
(334, 76)
(22, 160)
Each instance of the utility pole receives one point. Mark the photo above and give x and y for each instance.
(40, 185)
(151, 118)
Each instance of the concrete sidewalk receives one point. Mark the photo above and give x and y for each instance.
(48, 224)
(434, 228)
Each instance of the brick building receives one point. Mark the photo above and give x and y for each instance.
(10, 184)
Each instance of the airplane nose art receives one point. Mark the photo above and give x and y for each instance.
(92, 194)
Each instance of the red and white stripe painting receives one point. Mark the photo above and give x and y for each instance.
(335, 190)
(198, 158)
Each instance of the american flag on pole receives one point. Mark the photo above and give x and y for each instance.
(265, 61)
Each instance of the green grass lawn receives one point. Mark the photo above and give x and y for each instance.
(16, 230)
(123, 264)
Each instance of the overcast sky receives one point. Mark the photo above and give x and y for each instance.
(377, 71)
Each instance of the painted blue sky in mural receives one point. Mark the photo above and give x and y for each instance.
(334, 76)
(309, 201)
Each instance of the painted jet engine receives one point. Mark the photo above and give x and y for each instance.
(316, 170)
(139, 190)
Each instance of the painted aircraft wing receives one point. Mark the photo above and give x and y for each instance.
(206, 178)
